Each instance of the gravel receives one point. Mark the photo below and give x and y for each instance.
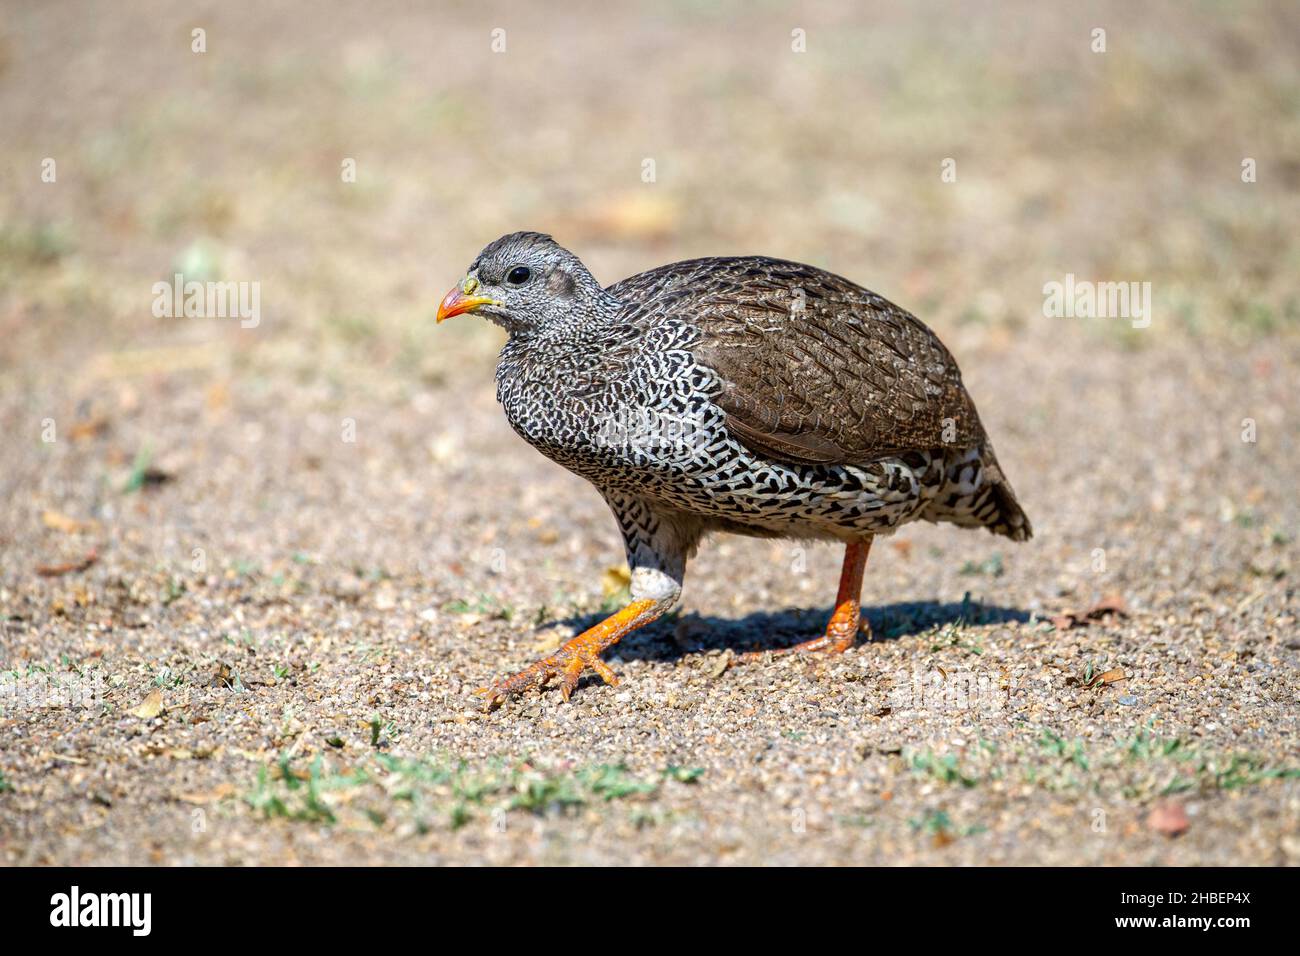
(266, 569)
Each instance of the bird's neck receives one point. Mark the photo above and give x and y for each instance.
(588, 321)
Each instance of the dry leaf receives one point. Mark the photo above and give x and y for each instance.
(63, 758)
(61, 522)
(1110, 607)
(55, 570)
(723, 662)
(88, 428)
(616, 580)
(1168, 818)
(551, 640)
(150, 707)
(1112, 676)
(221, 791)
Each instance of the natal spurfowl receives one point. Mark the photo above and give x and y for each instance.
(747, 395)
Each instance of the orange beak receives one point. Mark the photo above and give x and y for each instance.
(459, 301)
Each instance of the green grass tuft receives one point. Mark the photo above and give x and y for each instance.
(386, 790)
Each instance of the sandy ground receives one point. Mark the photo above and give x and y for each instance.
(251, 577)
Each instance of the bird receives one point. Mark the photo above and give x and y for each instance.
(741, 394)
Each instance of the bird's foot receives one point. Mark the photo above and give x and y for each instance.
(841, 633)
(834, 641)
(576, 656)
(845, 622)
(567, 663)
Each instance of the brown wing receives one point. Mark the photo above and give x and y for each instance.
(816, 369)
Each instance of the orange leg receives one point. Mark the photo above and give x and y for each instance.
(843, 626)
(577, 655)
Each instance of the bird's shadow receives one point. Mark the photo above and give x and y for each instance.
(679, 635)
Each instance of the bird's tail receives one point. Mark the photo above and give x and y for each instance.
(984, 502)
(1008, 518)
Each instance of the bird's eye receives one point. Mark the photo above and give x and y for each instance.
(519, 275)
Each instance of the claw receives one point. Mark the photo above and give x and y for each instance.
(829, 643)
(573, 658)
(567, 664)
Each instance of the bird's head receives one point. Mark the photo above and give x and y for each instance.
(524, 281)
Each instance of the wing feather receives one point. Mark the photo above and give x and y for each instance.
(814, 369)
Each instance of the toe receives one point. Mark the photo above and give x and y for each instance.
(569, 677)
(565, 665)
(603, 669)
